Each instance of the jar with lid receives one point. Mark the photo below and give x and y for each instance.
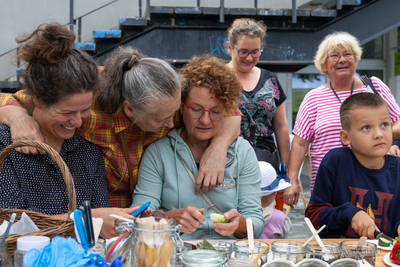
(289, 250)
(202, 258)
(26, 243)
(5, 257)
(240, 263)
(156, 238)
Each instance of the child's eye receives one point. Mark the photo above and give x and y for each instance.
(366, 128)
(384, 125)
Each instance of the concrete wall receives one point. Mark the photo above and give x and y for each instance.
(21, 16)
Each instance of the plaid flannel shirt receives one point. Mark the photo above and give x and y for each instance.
(105, 130)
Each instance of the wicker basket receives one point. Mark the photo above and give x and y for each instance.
(48, 225)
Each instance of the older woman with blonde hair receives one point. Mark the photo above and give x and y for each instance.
(169, 165)
(318, 120)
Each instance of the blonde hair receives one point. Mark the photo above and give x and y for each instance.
(333, 41)
(249, 28)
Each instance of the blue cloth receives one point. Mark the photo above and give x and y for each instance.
(63, 252)
(342, 182)
(35, 182)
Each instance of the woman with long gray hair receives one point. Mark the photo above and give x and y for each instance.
(137, 104)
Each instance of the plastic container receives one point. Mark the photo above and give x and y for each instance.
(289, 250)
(345, 263)
(241, 251)
(329, 254)
(202, 258)
(312, 263)
(26, 243)
(366, 252)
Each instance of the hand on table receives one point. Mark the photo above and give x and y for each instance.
(189, 218)
(212, 169)
(364, 225)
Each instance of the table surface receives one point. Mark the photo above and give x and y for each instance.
(379, 256)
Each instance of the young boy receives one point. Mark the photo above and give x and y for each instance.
(357, 189)
(276, 223)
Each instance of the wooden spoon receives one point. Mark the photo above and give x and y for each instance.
(141, 255)
(150, 257)
(166, 252)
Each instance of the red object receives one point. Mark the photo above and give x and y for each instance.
(279, 201)
(395, 254)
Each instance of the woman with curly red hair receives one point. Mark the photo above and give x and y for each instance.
(211, 90)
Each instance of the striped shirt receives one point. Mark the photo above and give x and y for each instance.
(318, 119)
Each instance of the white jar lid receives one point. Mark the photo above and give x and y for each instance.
(27, 243)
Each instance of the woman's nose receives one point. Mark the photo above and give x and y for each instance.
(205, 118)
(170, 122)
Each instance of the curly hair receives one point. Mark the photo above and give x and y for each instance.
(247, 27)
(210, 72)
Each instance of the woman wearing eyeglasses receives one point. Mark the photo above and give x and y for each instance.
(210, 90)
(262, 100)
(318, 120)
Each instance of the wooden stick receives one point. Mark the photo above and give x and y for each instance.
(250, 234)
(316, 233)
(121, 218)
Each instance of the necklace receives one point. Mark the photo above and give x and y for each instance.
(333, 90)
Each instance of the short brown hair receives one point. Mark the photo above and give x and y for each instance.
(357, 101)
(210, 72)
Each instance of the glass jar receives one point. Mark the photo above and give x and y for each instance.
(156, 238)
(5, 257)
(122, 246)
(121, 227)
(345, 263)
(202, 258)
(223, 247)
(329, 254)
(241, 251)
(289, 250)
(99, 248)
(279, 263)
(240, 263)
(312, 263)
(365, 253)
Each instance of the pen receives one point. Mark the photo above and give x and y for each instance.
(88, 222)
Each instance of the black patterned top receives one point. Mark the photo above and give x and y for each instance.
(35, 182)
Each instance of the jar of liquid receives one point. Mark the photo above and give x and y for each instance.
(26, 243)
(202, 258)
(289, 250)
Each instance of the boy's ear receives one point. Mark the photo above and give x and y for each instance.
(344, 137)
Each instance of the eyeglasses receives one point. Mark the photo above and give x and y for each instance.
(254, 54)
(334, 57)
(197, 112)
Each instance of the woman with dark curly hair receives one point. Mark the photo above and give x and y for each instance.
(211, 90)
